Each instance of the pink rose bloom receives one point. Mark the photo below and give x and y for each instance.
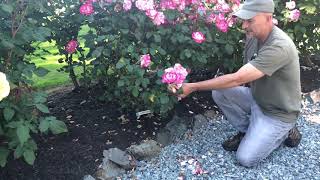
(202, 10)
(144, 4)
(86, 9)
(291, 5)
(145, 61)
(221, 23)
(180, 69)
(211, 18)
(151, 13)
(167, 4)
(127, 4)
(294, 15)
(198, 37)
(169, 77)
(275, 21)
(222, 26)
(159, 19)
(90, 1)
(71, 47)
(222, 7)
(231, 21)
(175, 75)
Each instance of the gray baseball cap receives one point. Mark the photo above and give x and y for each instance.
(251, 8)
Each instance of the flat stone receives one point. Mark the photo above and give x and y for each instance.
(119, 157)
(164, 137)
(199, 121)
(88, 177)
(109, 170)
(178, 125)
(146, 150)
(210, 114)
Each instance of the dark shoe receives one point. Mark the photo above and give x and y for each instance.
(294, 138)
(233, 142)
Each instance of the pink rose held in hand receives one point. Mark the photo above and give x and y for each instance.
(169, 77)
(198, 37)
(174, 75)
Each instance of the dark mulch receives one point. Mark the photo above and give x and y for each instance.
(95, 126)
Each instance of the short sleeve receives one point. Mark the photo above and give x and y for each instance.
(270, 58)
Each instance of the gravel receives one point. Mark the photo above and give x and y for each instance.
(201, 156)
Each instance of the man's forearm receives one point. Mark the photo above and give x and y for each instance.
(221, 82)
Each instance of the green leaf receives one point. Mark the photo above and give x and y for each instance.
(153, 51)
(157, 38)
(229, 49)
(120, 63)
(309, 8)
(57, 127)
(7, 44)
(4, 153)
(164, 99)
(135, 92)
(7, 8)
(23, 133)
(1, 130)
(148, 35)
(18, 151)
(97, 52)
(44, 125)
(187, 53)
(40, 97)
(29, 156)
(43, 108)
(162, 51)
(124, 31)
(145, 82)
(40, 71)
(120, 83)
(8, 113)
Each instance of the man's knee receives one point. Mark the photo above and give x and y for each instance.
(247, 160)
(217, 95)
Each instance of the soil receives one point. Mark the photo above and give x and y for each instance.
(95, 126)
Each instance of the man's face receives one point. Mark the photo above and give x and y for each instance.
(254, 26)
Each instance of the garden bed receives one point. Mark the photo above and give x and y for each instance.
(95, 126)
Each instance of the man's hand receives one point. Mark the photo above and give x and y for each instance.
(186, 89)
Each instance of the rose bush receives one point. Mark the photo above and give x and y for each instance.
(132, 45)
(23, 112)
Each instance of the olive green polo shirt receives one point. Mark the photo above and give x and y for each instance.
(278, 92)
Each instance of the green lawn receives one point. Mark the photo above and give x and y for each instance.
(53, 78)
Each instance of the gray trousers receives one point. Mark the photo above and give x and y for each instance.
(263, 134)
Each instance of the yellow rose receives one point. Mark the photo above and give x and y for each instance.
(4, 86)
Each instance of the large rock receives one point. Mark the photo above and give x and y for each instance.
(88, 177)
(211, 114)
(179, 125)
(174, 129)
(119, 157)
(109, 170)
(199, 121)
(146, 150)
(164, 137)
